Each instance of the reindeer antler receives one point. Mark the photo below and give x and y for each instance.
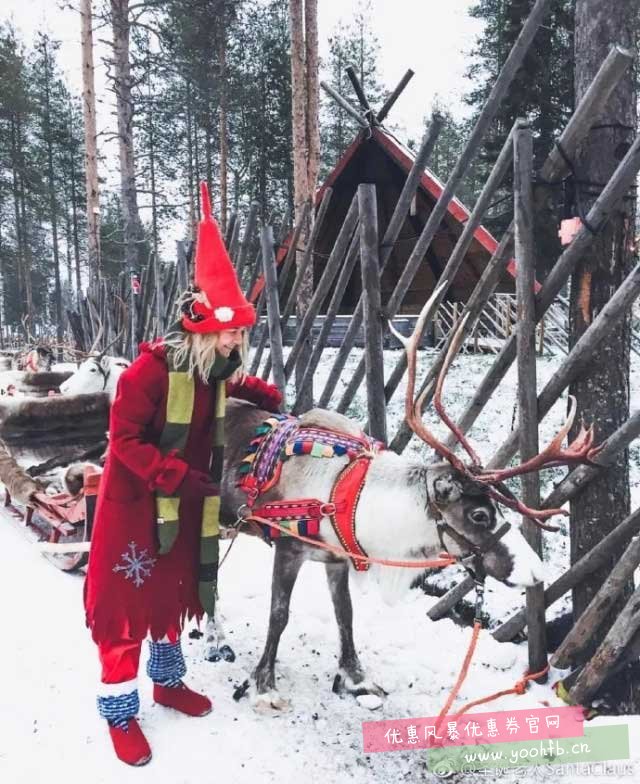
(113, 342)
(581, 450)
(96, 342)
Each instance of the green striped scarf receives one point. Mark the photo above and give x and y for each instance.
(180, 403)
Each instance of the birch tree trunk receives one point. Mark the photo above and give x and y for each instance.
(90, 145)
(603, 394)
(122, 85)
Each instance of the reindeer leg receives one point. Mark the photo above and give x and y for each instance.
(215, 648)
(288, 559)
(351, 676)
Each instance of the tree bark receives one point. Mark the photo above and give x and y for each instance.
(298, 106)
(125, 110)
(53, 206)
(303, 21)
(90, 144)
(191, 184)
(224, 141)
(603, 394)
(313, 95)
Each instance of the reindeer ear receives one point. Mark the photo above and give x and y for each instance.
(104, 363)
(446, 490)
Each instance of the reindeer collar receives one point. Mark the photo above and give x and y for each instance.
(282, 437)
(345, 496)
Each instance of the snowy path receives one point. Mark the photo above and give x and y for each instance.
(50, 727)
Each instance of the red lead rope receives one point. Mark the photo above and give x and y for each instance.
(444, 560)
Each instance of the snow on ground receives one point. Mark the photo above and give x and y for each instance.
(49, 725)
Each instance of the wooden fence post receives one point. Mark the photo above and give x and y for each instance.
(576, 643)
(301, 269)
(285, 267)
(603, 661)
(620, 182)
(273, 306)
(391, 235)
(246, 239)
(527, 385)
(336, 258)
(370, 268)
(589, 563)
(332, 311)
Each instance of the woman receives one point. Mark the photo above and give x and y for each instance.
(154, 548)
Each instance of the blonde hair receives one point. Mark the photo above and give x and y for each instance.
(198, 351)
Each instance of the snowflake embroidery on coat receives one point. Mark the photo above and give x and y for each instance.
(136, 566)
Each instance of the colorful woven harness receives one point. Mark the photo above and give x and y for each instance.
(282, 437)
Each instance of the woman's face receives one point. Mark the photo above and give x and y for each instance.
(229, 339)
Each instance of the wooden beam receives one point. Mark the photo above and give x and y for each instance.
(620, 182)
(527, 384)
(370, 268)
(364, 103)
(273, 306)
(391, 235)
(348, 107)
(572, 484)
(593, 560)
(577, 360)
(388, 104)
(249, 230)
(336, 258)
(576, 643)
(603, 661)
(301, 270)
(285, 268)
(332, 311)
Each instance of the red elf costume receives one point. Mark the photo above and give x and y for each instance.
(154, 547)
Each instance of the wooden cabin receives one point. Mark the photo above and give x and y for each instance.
(376, 156)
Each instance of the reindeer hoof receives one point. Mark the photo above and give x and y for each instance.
(370, 701)
(227, 653)
(213, 654)
(367, 693)
(270, 703)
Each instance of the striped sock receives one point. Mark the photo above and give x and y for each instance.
(166, 665)
(117, 709)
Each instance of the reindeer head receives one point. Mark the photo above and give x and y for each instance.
(470, 525)
(98, 373)
(467, 481)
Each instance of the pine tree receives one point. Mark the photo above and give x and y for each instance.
(542, 91)
(353, 44)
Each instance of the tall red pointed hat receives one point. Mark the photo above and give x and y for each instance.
(219, 303)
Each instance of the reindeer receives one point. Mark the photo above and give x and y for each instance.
(37, 358)
(98, 372)
(408, 510)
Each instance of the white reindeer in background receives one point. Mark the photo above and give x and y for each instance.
(98, 373)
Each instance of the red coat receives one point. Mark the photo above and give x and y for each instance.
(130, 589)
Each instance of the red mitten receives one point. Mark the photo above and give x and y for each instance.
(258, 392)
(198, 484)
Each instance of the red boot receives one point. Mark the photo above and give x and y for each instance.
(130, 744)
(182, 699)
